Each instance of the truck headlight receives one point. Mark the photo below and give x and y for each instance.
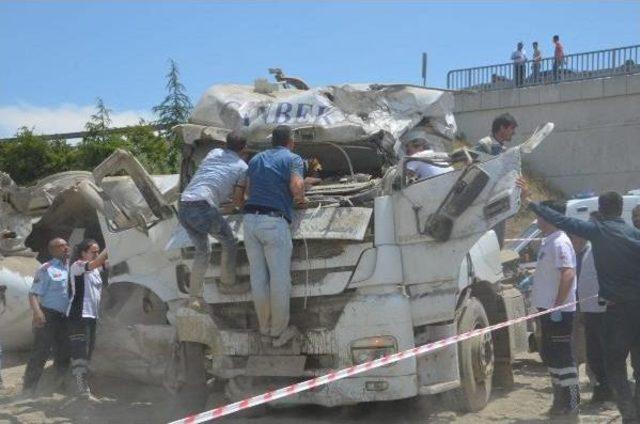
(371, 348)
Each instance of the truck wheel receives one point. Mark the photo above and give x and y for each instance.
(476, 360)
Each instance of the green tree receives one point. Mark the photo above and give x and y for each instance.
(149, 147)
(174, 109)
(99, 122)
(30, 157)
(99, 143)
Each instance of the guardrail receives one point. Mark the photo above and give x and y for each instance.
(578, 66)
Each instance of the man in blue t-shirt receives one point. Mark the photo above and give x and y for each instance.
(275, 180)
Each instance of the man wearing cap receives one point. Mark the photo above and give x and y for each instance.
(275, 183)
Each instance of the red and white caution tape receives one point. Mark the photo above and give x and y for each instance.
(356, 369)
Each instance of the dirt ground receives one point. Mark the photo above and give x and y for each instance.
(126, 402)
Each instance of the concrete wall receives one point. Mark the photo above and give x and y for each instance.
(596, 142)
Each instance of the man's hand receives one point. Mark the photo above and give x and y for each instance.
(301, 203)
(525, 193)
(38, 319)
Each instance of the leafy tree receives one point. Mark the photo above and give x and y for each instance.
(30, 157)
(149, 147)
(174, 110)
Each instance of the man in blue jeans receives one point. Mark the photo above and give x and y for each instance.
(275, 182)
(220, 176)
(616, 249)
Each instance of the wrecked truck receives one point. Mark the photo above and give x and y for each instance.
(380, 263)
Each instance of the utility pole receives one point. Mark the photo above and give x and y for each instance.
(424, 69)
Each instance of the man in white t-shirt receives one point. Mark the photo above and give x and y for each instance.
(220, 177)
(554, 284)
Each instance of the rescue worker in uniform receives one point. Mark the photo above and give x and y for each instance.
(616, 249)
(49, 301)
(554, 284)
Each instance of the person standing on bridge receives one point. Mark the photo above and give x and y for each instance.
(519, 58)
(275, 183)
(554, 284)
(558, 57)
(537, 61)
(616, 249)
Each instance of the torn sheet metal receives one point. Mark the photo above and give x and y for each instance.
(329, 223)
(341, 113)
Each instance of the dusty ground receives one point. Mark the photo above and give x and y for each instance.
(126, 402)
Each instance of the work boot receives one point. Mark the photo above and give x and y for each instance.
(601, 393)
(568, 402)
(556, 406)
(228, 258)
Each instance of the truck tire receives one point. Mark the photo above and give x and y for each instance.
(476, 361)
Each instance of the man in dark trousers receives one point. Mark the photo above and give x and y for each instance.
(49, 301)
(554, 284)
(616, 252)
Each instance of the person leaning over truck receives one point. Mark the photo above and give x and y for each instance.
(86, 290)
(274, 183)
(503, 128)
(49, 300)
(420, 170)
(554, 284)
(220, 176)
(616, 249)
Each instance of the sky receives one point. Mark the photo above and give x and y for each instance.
(58, 57)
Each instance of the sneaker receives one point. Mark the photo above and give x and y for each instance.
(82, 386)
(287, 335)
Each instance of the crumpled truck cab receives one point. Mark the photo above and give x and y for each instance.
(379, 265)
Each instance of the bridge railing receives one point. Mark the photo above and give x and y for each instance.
(578, 66)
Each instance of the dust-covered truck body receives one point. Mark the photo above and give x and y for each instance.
(380, 264)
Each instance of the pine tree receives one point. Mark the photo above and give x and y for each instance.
(99, 122)
(174, 110)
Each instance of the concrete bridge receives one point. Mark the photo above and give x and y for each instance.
(596, 142)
